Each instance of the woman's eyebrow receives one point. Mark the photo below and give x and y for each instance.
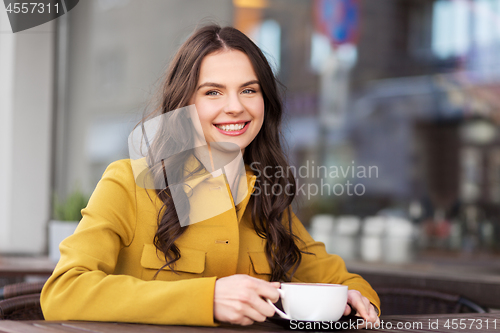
(221, 86)
(249, 83)
(211, 84)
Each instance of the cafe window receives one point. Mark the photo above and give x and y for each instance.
(458, 25)
(268, 37)
(451, 28)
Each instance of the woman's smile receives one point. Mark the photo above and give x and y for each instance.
(234, 128)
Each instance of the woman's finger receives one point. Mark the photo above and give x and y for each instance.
(373, 314)
(253, 314)
(246, 322)
(375, 321)
(259, 305)
(276, 284)
(267, 290)
(358, 302)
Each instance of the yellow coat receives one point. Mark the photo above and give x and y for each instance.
(107, 267)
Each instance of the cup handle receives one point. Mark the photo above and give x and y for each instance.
(278, 311)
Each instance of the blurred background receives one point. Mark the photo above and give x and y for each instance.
(397, 100)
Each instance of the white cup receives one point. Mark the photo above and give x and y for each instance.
(312, 301)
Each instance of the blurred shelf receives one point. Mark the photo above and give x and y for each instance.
(22, 266)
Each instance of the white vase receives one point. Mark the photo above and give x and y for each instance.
(322, 229)
(371, 246)
(346, 236)
(58, 231)
(398, 240)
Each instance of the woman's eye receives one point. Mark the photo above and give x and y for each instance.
(212, 93)
(248, 91)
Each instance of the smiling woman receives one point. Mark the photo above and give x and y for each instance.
(132, 259)
(229, 99)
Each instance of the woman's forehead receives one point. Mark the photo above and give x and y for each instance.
(230, 65)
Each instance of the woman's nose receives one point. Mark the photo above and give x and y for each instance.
(233, 105)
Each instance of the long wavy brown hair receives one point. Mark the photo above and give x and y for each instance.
(271, 214)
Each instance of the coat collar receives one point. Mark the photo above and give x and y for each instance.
(143, 179)
(198, 178)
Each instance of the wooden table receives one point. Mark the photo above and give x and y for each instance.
(469, 323)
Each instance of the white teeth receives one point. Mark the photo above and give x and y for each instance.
(232, 127)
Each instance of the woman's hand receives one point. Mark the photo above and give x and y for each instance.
(363, 308)
(238, 299)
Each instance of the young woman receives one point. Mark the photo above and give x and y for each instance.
(132, 259)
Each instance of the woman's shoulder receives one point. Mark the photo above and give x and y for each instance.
(121, 172)
(131, 175)
(119, 168)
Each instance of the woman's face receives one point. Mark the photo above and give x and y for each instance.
(228, 99)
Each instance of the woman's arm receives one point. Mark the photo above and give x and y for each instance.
(84, 286)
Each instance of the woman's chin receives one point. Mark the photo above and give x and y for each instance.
(226, 146)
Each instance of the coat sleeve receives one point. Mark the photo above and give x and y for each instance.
(83, 285)
(322, 267)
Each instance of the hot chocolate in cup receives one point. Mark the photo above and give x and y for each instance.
(312, 301)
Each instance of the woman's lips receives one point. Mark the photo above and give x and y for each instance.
(234, 133)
